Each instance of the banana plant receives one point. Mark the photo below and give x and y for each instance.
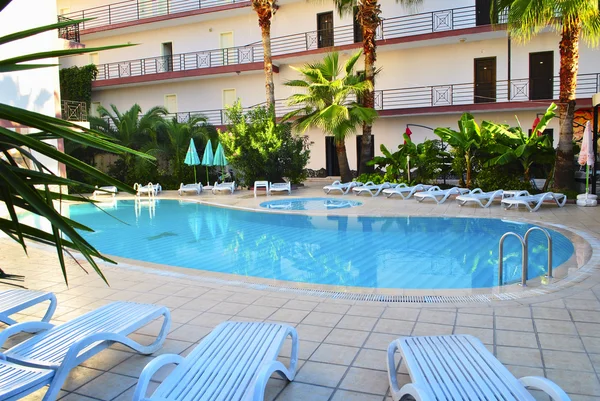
(26, 183)
(514, 145)
(466, 141)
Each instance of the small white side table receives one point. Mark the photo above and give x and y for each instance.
(261, 184)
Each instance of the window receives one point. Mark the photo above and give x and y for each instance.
(94, 58)
(229, 97)
(358, 36)
(94, 109)
(171, 103)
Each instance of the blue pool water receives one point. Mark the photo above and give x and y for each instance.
(310, 204)
(402, 252)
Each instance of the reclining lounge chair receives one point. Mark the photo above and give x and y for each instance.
(343, 187)
(534, 200)
(14, 301)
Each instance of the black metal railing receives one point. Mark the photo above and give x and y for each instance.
(70, 32)
(181, 62)
(516, 90)
(73, 111)
(135, 10)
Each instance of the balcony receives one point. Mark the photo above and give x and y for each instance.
(70, 33)
(451, 98)
(73, 111)
(130, 12)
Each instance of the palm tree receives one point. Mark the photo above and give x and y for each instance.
(368, 17)
(131, 128)
(573, 19)
(329, 103)
(174, 139)
(265, 9)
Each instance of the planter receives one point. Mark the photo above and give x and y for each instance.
(587, 200)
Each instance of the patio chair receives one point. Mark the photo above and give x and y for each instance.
(108, 190)
(279, 187)
(343, 187)
(224, 186)
(405, 191)
(150, 189)
(440, 195)
(459, 367)
(478, 196)
(14, 301)
(374, 189)
(193, 188)
(529, 200)
(234, 362)
(49, 356)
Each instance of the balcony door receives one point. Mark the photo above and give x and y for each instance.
(331, 160)
(485, 80)
(541, 75)
(358, 35)
(226, 44)
(166, 63)
(482, 12)
(325, 29)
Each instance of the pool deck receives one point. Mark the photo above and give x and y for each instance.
(555, 334)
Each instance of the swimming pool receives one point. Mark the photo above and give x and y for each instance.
(310, 204)
(391, 252)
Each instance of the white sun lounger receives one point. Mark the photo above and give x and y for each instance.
(49, 356)
(537, 200)
(459, 367)
(192, 188)
(108, 190)
(150, 189)
(478, 196)
(224, 186)
(279, 187)
(234, 362)
(440, 195)
(374, 189)
(14, 301)
(343, 187)
(406, 192)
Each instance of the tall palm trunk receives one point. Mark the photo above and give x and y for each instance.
(340, 148)
(265, 10)
(368, 17)
(569, 65)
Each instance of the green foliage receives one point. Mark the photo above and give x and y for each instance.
(376, 178)
(259, 149)
(501, 177)
(76, 83)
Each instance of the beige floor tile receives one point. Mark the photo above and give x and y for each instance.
(588, 329)
(200, 304)
(353, 338)
(391, 326)
(336, 354)
(409, 314)
(300, 391)
(585, 316)
(585, 383)
(429, 329)
(312, 333)
(274, 387)
(357, 323)
(106, 359)
(288, 315)
(561, 342)
(305, 348)
(343, 395)
(364, 380)
(300, 305)
(555, 326)
(371, 359)
(107, 386)
(257, 312)
(516, 339)
(567, 360)
(585, 304)
(332, 308)
(470, 320)
(321, 374)
(486, 336)
(379, 341)
(519, 356)
(243, 298)
(551, 313)
(522, 312)
(438, 317)
(183, 315)
(322, 319)
(591, 344)
(367, 311)
(189, 333)
(514, 324)
(80, 376)
(271, 301)
(227, 308)
(209, 319)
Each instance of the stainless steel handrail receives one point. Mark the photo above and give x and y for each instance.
(549, 238)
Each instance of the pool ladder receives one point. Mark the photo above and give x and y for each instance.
(524, 241)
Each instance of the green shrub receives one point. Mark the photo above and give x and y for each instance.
(377, 178)
(76, 83)
(493, 178)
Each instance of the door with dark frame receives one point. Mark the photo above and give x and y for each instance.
(331, 160)
(541, 75)
(485, 80)
(325, 29)
(482, 12)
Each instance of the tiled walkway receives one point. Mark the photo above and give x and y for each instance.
(342, 343)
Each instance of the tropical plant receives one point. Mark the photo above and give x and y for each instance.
(368, 16)
(514, 145)
(330, 102)
(265, 9)
(76, 83)
(132, 129)
(573, 19)
(173, 140)
(26, 183)
(466, 142)
(259, 149)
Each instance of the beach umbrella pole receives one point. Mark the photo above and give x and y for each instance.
(195, 181)
(207, 183)
(587, 179)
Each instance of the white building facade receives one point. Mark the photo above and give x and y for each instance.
(437, 61)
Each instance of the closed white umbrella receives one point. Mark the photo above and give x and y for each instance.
(586, 155)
